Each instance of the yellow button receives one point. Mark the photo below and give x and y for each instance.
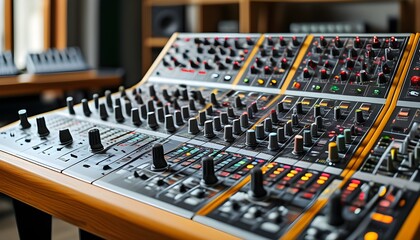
(320, 182)
(250, 166)
(308, 174)
(290, 175)
(260, 81)
(294, 171)
(323, 178)
(273, 82)
(304, 178)
(371, 236)
(276, 172)
(270, 165)
(353, 185)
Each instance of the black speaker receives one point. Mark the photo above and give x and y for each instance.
(167, 20)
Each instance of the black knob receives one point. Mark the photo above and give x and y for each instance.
(121, 89)
(193, 126)
(359, 116)
(228, 133)
(118, 114)
(238, 102)
(288, 128)
(335, 209)
(213, 100)
(65, 137)
(150, 106)
(184, 94)
(135, 116)
(217, 124)
(118, 102)
(152, 91)
(151, 120)
(259, 131)
(317, 111)
(314, 130)
(337, 113)
(96, 100)
(237, 130)
(178, 118)
(231, 112)
(158, 158)
(108, 99)
(224, 118)
(209, 177)
(70, 105)
(138, 99)
(244, 120)
(24, 123)
(273, 116)
(280, 135)
(169, 124)
(268, 125)
(185, 112)
(161, 114)
(128, 108)
(175, 104)
(257, 191)
(201, 118)
(272, 142)
(86, 109)
(307, 138)
(42, 127)
(209, 110)
(103, 114)
(280, 107)
(95, 140)
(143, 111)
(251, 139)
(208, 129)
(319, 122)
(341, 143)
(382, 79)
(191, 105)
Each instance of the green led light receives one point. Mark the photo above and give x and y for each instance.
(359, 91)
(376, 92)
(246, 80)
(316, 87)
(334, 89)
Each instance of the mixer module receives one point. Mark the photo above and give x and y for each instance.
(261, 136)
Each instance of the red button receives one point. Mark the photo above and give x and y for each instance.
(415, 81)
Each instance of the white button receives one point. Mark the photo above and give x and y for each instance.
(270, 227)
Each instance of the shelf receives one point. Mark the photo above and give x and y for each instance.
(36, 83)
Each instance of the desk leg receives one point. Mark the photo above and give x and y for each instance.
(31, 222)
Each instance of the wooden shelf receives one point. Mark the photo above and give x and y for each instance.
(35, 83)
(252, 17)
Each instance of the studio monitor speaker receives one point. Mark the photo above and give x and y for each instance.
(167, 20)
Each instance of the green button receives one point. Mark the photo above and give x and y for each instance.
(359, 91)
(316, 87)
(376, 92)
(246, 80)
(334, 88)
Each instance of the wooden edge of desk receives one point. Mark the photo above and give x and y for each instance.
(36, 83)
(92, 208)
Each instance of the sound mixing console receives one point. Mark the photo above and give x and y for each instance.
(257, 135)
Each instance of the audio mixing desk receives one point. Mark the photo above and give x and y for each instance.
(227, 136)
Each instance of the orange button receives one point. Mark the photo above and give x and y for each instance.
(296, 85)
(371, 236)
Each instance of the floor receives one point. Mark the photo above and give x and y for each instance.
(8, 230)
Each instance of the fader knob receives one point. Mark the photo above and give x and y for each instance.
(135, 116)
(213, 100)
(169, 124)
(65, 137)
(274, 117)
(217, 124)
(185, 112)
(191, 105)
(96, 100)
(337, 113)
(237, 130)
(150, 106)
(251, 139)
(244, 120)
(347, 135)
(108, 98)
(257, 191)
(307, 138)
(228, 133)
(341, 143)
(151, 120)
(288, 128)
(230, 112)
(314, 130)
(209, 110)
(295, 118)
(42, 127)
(95, 140)
(268, 125)
(103, 114)
(224, 118)
(333, 152)
(280, 135)
(298, 145)
(238, 102)
(193, 126)
(23, 117)
(382, 79)
(178, 118)
(362, 77)
(118, 102)
(359, 116)
(118, 114)
(317, 111)
(259, 131)
(280, 107)
(143, 111)
(319, 122)
(334, 210)
(272, 142)
(208, 129)
(86, 109)
(70, 105)
(201, 118)
(158, 158)
(209, 177)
